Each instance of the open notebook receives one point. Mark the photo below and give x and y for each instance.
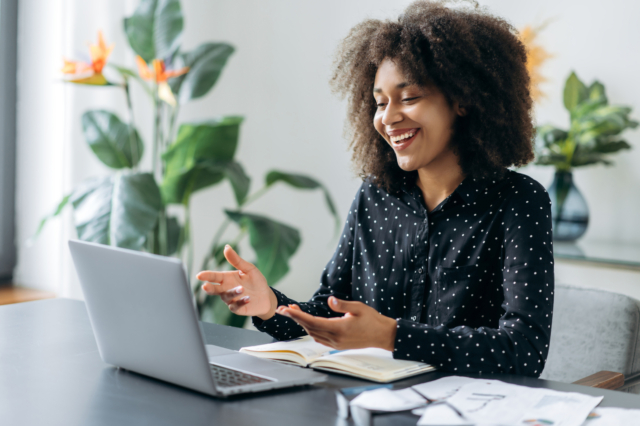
(370, 363)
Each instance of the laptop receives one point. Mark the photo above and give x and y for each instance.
(143, 317)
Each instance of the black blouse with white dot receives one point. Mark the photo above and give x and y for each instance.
(470, 283)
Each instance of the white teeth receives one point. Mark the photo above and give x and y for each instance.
(401, 137)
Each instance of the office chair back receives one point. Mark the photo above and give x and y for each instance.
(594, 330)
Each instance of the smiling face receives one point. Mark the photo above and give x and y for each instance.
(416, 121)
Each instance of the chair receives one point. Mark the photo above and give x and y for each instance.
(594, 331)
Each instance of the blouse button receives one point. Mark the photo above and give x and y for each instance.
(414, 318)
(420, 270)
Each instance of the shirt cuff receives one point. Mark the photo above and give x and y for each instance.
(407, 343)
(265, 325)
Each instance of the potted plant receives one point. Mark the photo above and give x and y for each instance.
(129, 208)
(593, 134)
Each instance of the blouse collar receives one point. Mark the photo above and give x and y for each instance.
(468, 190)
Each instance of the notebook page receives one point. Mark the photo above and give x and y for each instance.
(305, 347)
(368, 361)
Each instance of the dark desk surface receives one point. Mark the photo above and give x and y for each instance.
(51, 374)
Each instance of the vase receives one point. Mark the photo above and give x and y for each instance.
(569, 210)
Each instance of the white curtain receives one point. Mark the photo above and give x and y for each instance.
(52, 156)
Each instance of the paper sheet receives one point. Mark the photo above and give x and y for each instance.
(441, 414)
(467, 401)
(498, 403)
(442, 388)
(610, 416)
(387, 400)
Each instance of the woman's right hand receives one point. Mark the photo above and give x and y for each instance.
(245, 291)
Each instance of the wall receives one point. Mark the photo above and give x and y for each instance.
(278, 79)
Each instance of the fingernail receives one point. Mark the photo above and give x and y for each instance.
(238, 290)
(334, 301)
(282, 312)
(245, 299)
(227, 245)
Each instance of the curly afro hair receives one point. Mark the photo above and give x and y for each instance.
(471, 56)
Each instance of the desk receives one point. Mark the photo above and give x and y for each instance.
(51, 374)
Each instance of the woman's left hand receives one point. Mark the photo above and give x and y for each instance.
(360, 327)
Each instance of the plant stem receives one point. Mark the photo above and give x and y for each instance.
(172, 125)
(219, 232)
(162, 233)
(251, 198)
(243, 232)
(160, 138)
(156, 111)
(216, 239)
(135, 155)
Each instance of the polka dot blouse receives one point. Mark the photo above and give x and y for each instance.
(470, 283)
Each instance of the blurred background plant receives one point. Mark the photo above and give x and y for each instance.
(593, 134)
(129, 208)
(593, 130)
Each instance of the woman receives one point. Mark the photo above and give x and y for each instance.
(446, 256)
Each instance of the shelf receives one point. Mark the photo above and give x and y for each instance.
(613, 253)
(10, 294)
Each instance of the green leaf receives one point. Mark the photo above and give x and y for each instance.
(155, 28)
(597, 92)
(53, 214)
(608, 147)
(190, 163)
(205, 65)
(606, 120)
(303, 182)
(238, 179)
(295, 180)
(586, 108)
(115, 143)
(274, 243)
(585, 159)
(551, 159)
(173, 229)
(173, 236)
(574, 92)
(550, 135)
(119, 210)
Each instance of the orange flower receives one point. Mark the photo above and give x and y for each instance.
(158, 71)
(536, 56)
(160, 75)
(84, 73)
(99, 54)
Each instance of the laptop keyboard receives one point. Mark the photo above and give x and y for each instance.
(227, 378)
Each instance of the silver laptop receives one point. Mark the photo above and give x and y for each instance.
(143, 318)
